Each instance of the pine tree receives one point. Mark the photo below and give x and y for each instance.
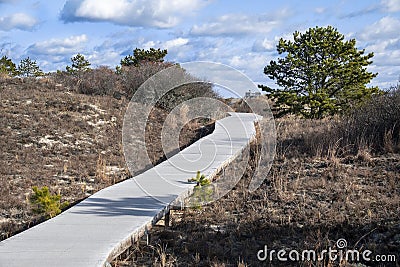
(7, 67)
(79, 65)
(142, 55)
(29, 68)
(321, 74)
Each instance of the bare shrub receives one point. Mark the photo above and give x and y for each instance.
(99, 81)
(131, 77)
(65, 80)
(105, 81)
(185, 92)
(377, 124)
(372, 128)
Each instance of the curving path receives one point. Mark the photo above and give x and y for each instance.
(94, 231)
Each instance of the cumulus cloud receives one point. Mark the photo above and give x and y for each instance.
(59, 47)
(387, 27)
(249, 61)
(264, 45)
(382, 38)
(118, 47)
(19, 21)
(153, 13)
(236, 24)
(386, 52)
(174, 43)
(391, 5)
(105, 58)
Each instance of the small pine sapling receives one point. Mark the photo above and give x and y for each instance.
(202, 192)
(200, 179)
(45, 203)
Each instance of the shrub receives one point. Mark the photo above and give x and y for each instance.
(185, 92)
(200, 179)
(104, 81)
(45, 203)
(99, 81)
(375, 124)
(373, 127)
(202, 192)
(132, 77)
(68, 81)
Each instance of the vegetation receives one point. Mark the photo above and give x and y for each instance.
(373, 128)
(321, 74)
(54, 136)
(99, 81)
(7, 67)
(128, 77)
(137, 68)
(141, 56)
(29, 68)
(202, 192)
(318, 191)
(330, 179)
(79, 65)
(45, 203)
(200, 179)
(374, 125)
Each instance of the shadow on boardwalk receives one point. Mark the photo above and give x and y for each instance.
(127, 206)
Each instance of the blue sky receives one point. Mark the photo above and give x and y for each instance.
(241, 34)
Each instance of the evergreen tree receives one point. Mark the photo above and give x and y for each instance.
(29, 68)
(7, 67)
(321, 74)
(142, 55)
(79, 65)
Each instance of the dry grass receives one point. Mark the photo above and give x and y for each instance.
(67, 141)
(323, 185)
(313, 196)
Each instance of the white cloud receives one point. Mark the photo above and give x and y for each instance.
(19, 21)
(320, 10)
(59, 47)
(251, 64)
(386, 52)
(383, 40)
(387, 27)
(174, 43)
(104, 58)
(391, 5)
(386, 78)
(154, 13)
(101, 9)
(148, 44)
(265, 44)
(236, 24)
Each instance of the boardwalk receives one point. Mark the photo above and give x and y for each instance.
(92, 232)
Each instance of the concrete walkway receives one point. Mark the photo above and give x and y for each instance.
(94, 231)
